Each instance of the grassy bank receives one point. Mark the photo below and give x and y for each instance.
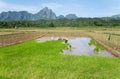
(33, 60)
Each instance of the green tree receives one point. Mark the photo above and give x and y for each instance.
(51, 24)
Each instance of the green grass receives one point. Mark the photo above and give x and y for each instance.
(33, 60)
(97, 48)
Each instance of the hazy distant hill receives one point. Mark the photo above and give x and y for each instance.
(45, 13)
(116, 16)
(60, 17)
(13, 15)
(71, 16)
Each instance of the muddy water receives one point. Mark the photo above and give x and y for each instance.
(80, 46)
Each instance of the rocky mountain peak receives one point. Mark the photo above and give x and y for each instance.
(45, 13)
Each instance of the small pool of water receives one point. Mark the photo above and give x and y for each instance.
(80, 46)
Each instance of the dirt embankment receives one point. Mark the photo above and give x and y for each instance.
(111, 50)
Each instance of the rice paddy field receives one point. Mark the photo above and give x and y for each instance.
(45, 60)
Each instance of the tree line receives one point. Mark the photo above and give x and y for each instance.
(79, 22)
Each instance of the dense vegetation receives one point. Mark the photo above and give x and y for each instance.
(33, 60)
(80, 22)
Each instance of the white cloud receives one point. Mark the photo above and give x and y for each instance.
(13, 7)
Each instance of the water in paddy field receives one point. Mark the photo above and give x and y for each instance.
(80, 46)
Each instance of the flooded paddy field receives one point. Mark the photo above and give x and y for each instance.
(101, 36)
(82, 46)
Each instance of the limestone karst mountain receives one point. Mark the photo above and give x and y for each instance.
(45, 13)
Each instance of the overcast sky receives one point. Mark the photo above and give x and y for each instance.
(82, 8)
